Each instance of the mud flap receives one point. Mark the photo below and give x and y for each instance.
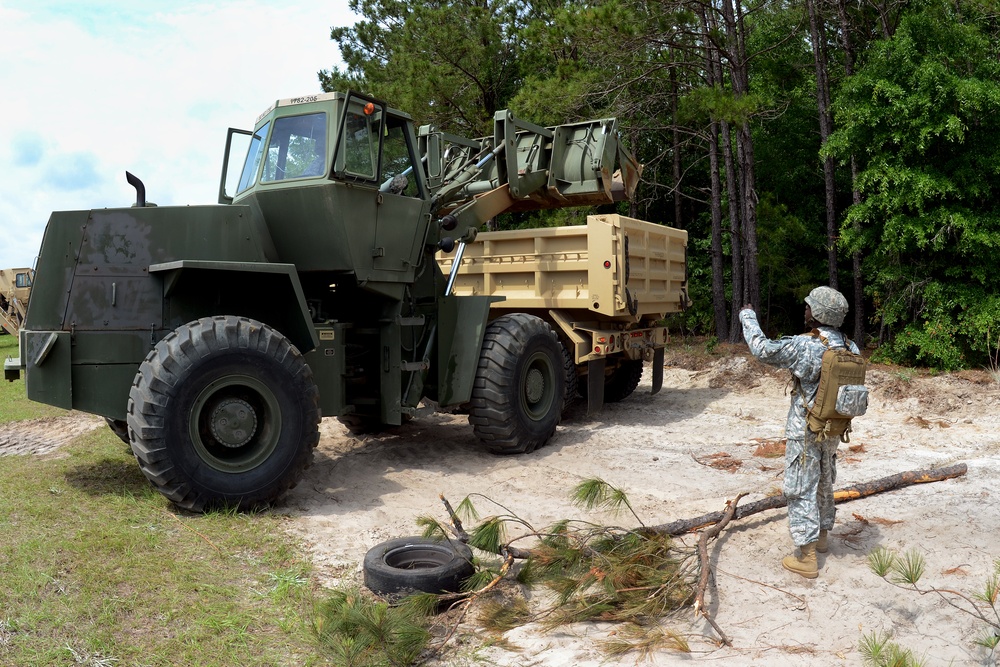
(595, 386)
(657, 370)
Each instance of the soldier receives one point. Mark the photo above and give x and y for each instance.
(810, 465)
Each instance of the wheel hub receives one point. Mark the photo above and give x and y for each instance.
(233, 422)
(534, 386)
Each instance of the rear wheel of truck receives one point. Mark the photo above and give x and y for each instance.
(224, 412)
(517, 398)
(572, 378)
(621, 383)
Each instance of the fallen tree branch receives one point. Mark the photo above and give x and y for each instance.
(863, 490)
(710, 525)
(706, 566)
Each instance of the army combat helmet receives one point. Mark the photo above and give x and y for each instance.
(828, 306)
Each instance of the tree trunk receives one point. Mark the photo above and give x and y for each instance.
(718, 273)
(817, 33)
(859, 281)
(718, 277)
(863, 490)
(739, 73)
(735, 182)
(674, 94)
(735, 233)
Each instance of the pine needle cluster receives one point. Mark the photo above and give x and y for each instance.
(878, 650)
(609, 575)
(905, 571)
(359, 631)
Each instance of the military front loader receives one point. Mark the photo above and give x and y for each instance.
(213, 338)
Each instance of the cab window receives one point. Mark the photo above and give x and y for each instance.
(297, 148)
(398, 163)
(254, 154)
(22, 280)
(357, 155)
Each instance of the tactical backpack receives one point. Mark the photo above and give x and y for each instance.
(841, 395)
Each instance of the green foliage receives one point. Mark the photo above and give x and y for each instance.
(878, 650)
(881, 560)
(919, 115)
(451, 64)
(361, 632)
(923, 115)
(905, 572)
(909, 568)
(596, 493)
(596, 573)
(613, 576)
(489, 535)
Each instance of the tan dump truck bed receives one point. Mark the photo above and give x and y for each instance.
(622, 269)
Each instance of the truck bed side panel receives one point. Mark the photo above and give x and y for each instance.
(618, 268)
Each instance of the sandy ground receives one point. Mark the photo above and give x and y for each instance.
(661, 449)
(679, 454)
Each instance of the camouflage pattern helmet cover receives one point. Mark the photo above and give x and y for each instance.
(828, 306)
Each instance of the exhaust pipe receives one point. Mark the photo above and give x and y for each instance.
(140, 189)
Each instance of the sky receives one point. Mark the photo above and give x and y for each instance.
(91, 89)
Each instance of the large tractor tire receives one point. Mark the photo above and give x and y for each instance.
(517, 398)
(224, 412)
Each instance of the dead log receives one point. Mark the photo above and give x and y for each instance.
(863, 490)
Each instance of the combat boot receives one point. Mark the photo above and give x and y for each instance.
(823, 544)
(805, 563)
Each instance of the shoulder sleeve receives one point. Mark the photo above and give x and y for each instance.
(782, 353)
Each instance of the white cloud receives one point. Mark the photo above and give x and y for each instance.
(94, 88)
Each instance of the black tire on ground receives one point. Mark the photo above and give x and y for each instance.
(409, 564)
(517, 397)
(572, 387)
(623, 381)
(224, 412)
(119, 428)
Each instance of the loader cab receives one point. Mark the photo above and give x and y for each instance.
(315, 139)
(336, 179)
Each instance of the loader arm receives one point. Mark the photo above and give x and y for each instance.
(526, 167)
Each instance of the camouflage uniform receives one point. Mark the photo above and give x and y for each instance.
(810, 466)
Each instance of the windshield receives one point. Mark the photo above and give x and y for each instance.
(297, 148)
(253, 158)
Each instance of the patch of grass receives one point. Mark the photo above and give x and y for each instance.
(98, 566)
(13, 404)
